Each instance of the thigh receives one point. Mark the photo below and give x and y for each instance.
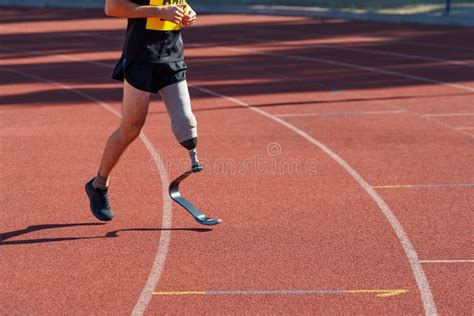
(135, 105)
(177, 100)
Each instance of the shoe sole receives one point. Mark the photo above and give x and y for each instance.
(96, 215)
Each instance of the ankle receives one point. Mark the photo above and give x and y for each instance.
(100, 182)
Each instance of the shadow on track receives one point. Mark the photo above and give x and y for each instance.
(238, 73)
(112, 234)
(318, 102)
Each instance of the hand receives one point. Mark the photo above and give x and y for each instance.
(172, 13)
(190, 17)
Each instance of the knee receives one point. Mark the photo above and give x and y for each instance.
(130, 131)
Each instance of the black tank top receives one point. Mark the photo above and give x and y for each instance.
(152, 40)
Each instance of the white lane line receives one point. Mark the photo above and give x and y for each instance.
(363, 50)
(447, 261)
(371, 51)
(450, 47)
(434, 120)
(407, 43)
(165, 236)
(349, 65)
(448, 114)
(424, 186)
(465, 128)
(355, 113)
(412, 256)
(401, 55)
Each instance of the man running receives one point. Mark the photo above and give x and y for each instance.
(152, 61)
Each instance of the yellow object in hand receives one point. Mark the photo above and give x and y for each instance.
(158, 24)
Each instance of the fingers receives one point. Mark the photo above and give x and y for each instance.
(188, 23)
(178, 14)
(191, 14)
(189, 18)
(173, 13)
(178, 9)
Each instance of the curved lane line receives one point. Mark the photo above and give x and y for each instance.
(162, 252)
(165, 236)
(416, 267)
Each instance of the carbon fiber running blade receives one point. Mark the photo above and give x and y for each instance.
(188, 206)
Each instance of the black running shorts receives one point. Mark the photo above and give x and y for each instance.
(150, 77)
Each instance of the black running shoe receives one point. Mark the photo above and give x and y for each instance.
(99, 202)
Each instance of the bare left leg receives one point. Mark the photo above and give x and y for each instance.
(134, 112)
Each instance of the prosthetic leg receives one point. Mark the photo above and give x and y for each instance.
(174, 187)
(184, 126)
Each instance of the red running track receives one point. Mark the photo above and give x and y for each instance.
(338, 153)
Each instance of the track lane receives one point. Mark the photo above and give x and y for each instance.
(157, 124)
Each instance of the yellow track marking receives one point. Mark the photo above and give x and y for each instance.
(380, 293)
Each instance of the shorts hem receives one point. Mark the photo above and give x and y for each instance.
(149, 77)
(137, 87)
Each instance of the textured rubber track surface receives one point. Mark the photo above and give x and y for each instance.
(347, 147)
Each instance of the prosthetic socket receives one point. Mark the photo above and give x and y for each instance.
(183, 122)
